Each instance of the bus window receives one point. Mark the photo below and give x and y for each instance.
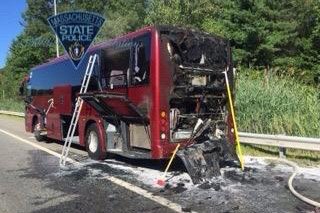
(116, 67)
(141, 60)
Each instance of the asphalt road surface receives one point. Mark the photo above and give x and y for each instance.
(31, 180)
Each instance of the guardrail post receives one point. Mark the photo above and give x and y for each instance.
(282, 152)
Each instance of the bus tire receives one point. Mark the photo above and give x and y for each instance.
(93, 146)
(38, 136)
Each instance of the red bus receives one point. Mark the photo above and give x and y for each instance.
(148, 92)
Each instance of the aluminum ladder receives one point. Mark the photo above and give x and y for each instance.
(77, 110)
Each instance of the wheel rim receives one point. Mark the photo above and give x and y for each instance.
(93, 142)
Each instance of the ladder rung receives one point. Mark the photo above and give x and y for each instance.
(76, 113)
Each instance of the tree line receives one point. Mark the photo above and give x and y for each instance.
(279, 36)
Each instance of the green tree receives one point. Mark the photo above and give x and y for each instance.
(122, 16)
(25, 51)
(270, 34)
(192, 13)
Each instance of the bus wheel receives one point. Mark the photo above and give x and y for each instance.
(37, 132)
(92, 142)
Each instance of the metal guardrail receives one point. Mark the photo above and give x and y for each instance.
(19, 114)
(312, 144)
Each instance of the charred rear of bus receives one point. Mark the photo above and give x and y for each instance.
(198, 100)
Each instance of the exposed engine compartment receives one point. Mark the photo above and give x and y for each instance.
(198, 100)
(198, 80)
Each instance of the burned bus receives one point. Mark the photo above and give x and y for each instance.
(150, 90)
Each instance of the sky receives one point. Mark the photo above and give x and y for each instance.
(10, 18)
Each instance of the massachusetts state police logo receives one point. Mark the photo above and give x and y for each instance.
(76, 51)
(76, 31)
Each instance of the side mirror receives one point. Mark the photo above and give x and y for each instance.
(23, 86)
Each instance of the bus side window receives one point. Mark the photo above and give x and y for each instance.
(141, 60)
(116, 64)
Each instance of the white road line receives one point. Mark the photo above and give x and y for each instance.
(160, 200)
(35, 145)
(163, 201)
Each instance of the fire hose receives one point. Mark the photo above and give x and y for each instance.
(290, 180)
(290, 163)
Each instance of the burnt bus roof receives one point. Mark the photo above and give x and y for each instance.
(168, 28)
(163, 29)
(189, 47)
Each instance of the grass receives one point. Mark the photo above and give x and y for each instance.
(283, 107)
(12, 105)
